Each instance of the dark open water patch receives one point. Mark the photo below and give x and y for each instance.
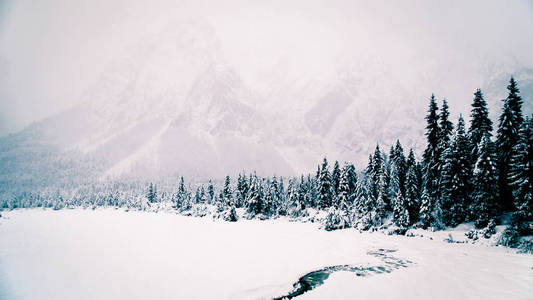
(316, 278)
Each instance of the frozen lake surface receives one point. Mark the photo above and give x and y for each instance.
(112, 254)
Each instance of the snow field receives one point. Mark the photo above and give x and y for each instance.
(113, 254)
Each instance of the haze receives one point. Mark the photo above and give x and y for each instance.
(51, 51)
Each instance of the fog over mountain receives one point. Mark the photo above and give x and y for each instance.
(126, 88)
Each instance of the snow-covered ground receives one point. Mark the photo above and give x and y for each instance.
(112, 254)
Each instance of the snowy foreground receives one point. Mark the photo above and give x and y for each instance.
(112, 254)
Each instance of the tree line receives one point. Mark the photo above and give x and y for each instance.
(464, 175)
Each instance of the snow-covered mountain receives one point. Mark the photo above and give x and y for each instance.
(172, 104)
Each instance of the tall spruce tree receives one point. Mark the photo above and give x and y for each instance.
(293, 198)
(312, 192)
(335, 177)
(398, 170)
(181, 200)
(363, 202)
(242, 190)
(446, 132)
(445, 126)
(431, 154)
(197, 196)
(485, 194)
(515, 100)
(431, 165)
(152, 194)
(282, 206)
(351, 177)
(203, 195)
(424, 215)
(344, 197)
(400, 212)
(325, 187)
(507, 138)
(302, 193)
(373, 172)
(522, 172)
(380, 205)
(392, 157)
(227, 194)
(272, 202)
(255, 196)
(480, 124)
(210, 192)
(456, 177)
(411, 159)
(412, 193)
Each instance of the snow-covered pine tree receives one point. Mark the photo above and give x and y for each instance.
(282, 206)
(271, 198)
(185, 198)
(522, 174)
(226, 203)
(386, 182)
(412, 192)
(445, 137)
(227, 194)
(325, 189)
(373, 172)
(181, 196)
(400, 166)
(397, 186)
(151, 196)
(420, 177)
(446, 126)
(398, 170)
(351, 177)
(400, 211)
(456, 177)
(241, 190)
(203, 195)
(431, 164)
(210, 192)
(424, 215)
(335, 178)
(368, 176)
(336, 219)
(343, 196)
(230, 214)
(302, 193)
(380, 206)
(515, 100)
(311, 192)
(507, 137)
(293, 198)
(362, 203)
(447, 185)
(245, 185)
(480, 124)
(339, 214)
(411, 159)
(392, 154)
(255, 197)
(431, 154)
(485, 194)
(197, 197)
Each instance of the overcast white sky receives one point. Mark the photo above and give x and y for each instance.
(52, 50)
